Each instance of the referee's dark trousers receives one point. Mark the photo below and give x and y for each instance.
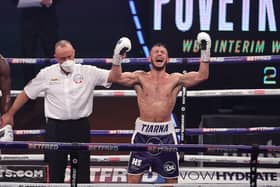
(67, 131)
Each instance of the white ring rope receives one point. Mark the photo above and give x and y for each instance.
(187, 131)
(125, 158)
(25, 184)
(190, 93)
(230, 59)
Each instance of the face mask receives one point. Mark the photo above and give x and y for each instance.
(68, 66)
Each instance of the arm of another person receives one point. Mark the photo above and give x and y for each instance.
(7, 120)
(31, 91)
(8, 117)
(5, 82)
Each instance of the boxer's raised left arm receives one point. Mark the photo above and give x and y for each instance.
(192, 78)
(195, 77)
(204, 42)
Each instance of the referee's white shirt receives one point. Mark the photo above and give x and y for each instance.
(67, 96)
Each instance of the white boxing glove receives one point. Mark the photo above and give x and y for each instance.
(204, 42)
(6, 133)
(122, 46)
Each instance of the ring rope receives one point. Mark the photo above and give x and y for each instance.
(125, 158)
(194, 93)
(232, 59)
(194, 148)
(189, 131)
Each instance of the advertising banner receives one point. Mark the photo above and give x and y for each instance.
(188, 175)
(23, 173)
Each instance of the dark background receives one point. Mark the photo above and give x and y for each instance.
(95, 26)
(171, 35)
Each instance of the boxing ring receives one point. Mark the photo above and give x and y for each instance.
(254, 169)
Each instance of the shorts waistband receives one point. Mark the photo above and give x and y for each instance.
(67, 120)
(154, 128)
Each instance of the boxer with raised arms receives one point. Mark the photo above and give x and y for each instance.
(156, 92)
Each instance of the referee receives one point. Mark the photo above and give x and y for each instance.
(68, 101)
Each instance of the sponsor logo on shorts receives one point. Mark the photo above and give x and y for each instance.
(147, 128)
(169, 167)
(136, 162)
(154, 140)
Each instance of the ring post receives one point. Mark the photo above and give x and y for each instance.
(74, 169)
(254, 165)
(183, 121)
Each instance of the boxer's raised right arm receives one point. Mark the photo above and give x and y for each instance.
(122, 47)
(130, 78)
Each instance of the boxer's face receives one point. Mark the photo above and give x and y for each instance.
(63, 53)
(158, 57)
